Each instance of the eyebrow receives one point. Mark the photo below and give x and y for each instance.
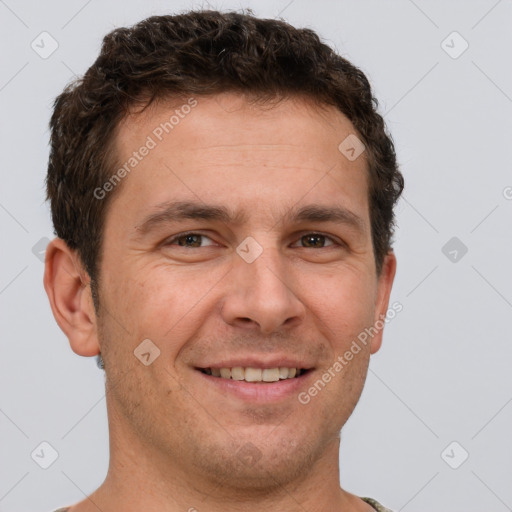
(335, 214)
(182, 210)
(176, 211)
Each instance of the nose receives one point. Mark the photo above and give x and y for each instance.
(262, 295)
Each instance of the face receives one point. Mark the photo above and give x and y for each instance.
(241, 239)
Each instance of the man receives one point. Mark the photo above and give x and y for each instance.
(222, 190)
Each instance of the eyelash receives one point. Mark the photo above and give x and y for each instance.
(181, 235)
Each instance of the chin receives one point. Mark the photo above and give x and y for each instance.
(258, 464)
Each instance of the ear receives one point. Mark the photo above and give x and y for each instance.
(68, 288)
(384, 285)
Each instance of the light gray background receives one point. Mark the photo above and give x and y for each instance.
(443, 373)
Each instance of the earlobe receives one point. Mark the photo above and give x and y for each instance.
(385, 283)
(68, 288)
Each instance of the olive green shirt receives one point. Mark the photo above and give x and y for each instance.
(376, 505)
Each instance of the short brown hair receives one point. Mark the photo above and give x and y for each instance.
(201, 53)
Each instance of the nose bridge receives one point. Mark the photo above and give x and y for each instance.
(268, 272)
(260, 291)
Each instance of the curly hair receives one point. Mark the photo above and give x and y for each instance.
(201, 53)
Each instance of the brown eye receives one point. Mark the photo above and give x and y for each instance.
(315, 240)
(191, 240)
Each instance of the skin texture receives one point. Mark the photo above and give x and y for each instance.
(175, 439)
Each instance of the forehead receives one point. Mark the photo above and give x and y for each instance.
(228, 149)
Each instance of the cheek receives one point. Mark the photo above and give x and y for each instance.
(344, 302)
(159, 301)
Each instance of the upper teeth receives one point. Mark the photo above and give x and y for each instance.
(254, 374)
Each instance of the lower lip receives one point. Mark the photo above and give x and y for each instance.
(260, 391)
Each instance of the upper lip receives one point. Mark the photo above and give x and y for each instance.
(258, 362)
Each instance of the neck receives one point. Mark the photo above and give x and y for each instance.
(141, 477)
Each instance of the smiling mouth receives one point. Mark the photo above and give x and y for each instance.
(249, 374)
